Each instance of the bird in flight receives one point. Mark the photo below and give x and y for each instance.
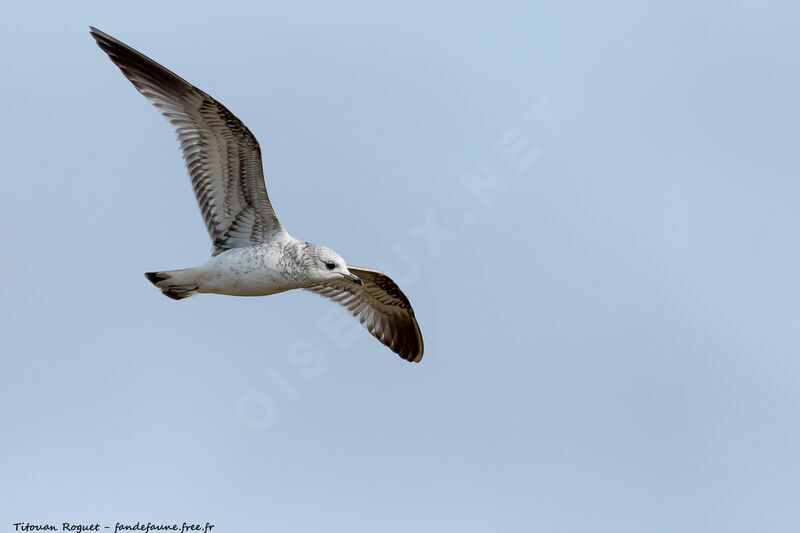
(253, 255)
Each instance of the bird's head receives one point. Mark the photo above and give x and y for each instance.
(326, 265)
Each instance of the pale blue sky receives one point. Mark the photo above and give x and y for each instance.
(611, 336)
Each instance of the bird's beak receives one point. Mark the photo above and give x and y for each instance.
(354, 279)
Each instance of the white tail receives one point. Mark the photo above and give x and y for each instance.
(175, 284)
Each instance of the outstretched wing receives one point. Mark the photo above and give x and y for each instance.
(382, 307)
(222, 156)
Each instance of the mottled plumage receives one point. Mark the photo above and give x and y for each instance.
(252, 253)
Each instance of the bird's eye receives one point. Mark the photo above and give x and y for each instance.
(330, 266)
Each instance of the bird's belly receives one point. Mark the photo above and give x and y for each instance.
(242, 272)
(245, 286)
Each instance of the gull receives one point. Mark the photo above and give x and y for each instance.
(252, 254)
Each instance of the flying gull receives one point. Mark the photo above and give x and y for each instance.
(253, 255)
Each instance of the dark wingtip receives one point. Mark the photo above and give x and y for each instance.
(414, 351)
(103, 40)
(413, 357)
(411, 353)
(98, 34)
